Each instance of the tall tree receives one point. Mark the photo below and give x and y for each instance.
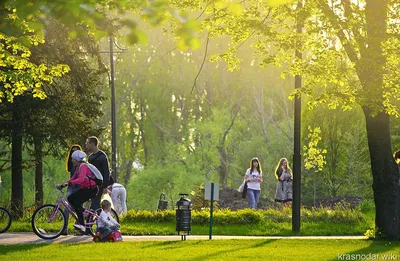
(74, 98)
(350, 45)
(20, 81)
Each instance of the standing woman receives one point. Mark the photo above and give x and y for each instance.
(284, 187)
(254, 179)
(71, 169)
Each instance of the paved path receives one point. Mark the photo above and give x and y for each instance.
(31, 238)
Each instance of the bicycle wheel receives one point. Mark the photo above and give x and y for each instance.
(47, 222)
(91, 221)
(5, 220)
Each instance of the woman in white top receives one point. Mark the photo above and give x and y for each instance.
(254, 179)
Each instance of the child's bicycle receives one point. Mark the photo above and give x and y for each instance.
(49, 221)
(5, 220)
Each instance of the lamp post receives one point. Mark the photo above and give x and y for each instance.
(296, 140)
(111, 51)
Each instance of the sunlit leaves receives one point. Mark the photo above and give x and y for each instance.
(314, 157)
(235, 8)
(19, 75)
(187, 37)
(391, 93)
(156, 14)
(232, 6)
(137, 36)
(279, 2)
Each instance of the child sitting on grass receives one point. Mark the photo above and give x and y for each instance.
(106, 224)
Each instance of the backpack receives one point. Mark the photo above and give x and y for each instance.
(98, 178)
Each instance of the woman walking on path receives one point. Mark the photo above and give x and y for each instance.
(254, 179)
(284, 187)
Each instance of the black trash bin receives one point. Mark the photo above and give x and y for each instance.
(162, 203)
(183, 216)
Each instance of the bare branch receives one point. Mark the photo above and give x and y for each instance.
(202, 63)
(166, 132)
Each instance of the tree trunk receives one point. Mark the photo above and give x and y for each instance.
(223, 167)
(385, 176)
(128, 172)
(384, 170)
(38, 172)
(142, 132)
(16, 163)
(223, 155)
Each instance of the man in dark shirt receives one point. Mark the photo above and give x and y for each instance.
(100, 160)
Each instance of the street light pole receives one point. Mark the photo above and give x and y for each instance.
(113, 112)
(296, 139)
(111, 51)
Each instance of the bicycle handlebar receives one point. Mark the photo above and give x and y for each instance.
(59, 187)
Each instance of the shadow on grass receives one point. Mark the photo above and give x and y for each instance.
(5, 249)
(163, 244)
(375, 251)
(263, 243)
(218, 255)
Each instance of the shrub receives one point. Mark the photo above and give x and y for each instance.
(367, 206)
(149, 216)
(340, 214)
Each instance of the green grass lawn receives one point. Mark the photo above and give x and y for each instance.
(281, 249)
(258, 229)
(339, 221)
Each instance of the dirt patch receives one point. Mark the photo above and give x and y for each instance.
(232, 199)
(332, 202)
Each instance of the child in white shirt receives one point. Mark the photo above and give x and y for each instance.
(106, 224)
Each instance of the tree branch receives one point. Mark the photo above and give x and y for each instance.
(336, 23)
(169, 134)
(348, 10)
(202, 63)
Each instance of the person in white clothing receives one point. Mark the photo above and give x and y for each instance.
(254, 179)
(106, 224)
(118, 196)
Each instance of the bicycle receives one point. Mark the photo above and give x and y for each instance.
(5, 220)
(49, 221)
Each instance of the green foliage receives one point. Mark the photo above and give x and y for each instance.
(149, 216)
(172, 179)
(367, 206)
(314, 156)
(18, 74)
(102, 18)
(370, 233)
(343, 137)
(198, 201)
(342, 214)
